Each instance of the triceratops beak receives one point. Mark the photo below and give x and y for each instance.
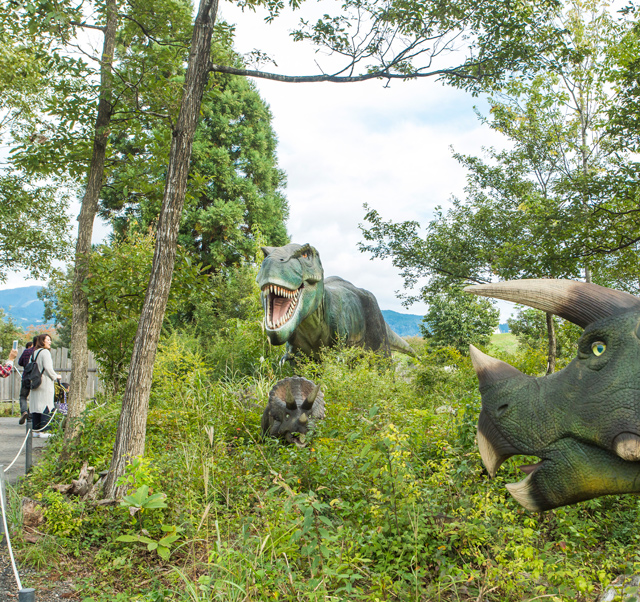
(579, 302)
(494, 449)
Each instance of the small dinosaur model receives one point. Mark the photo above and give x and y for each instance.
(295, 405)
(308, 312)
(583, 422)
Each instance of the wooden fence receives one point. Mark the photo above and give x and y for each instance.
(10, 387)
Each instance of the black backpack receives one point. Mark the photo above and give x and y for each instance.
(32, 375)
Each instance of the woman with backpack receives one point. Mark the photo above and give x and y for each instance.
(41, 398)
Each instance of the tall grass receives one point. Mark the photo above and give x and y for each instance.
(389, 502)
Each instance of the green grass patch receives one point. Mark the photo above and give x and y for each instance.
(504, 342)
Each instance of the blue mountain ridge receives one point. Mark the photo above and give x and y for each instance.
(23, 305)
(404, 325)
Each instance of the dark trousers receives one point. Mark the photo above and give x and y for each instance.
(39, 421)
(24, 393)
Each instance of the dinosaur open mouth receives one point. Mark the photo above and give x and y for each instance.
(298, 439)
(281, 305)
(494, 450)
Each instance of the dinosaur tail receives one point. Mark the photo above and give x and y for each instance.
(397, 343)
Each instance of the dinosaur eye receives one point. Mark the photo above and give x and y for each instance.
(598, 348)
(305, 255)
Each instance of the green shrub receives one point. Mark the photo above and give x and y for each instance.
(389, 500)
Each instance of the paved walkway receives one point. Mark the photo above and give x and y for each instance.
(11, 438)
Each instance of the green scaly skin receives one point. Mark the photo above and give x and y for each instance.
(307, 312)
(571, 420)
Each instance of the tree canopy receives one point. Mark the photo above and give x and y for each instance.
(235, 186)
(543, 206)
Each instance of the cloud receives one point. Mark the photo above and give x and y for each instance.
(343, 145)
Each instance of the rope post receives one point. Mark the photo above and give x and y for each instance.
(28, 594)
(28, 461)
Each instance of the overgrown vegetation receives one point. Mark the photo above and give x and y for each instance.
(389, 502)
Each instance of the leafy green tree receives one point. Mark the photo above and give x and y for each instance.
(530, 327)
(33, 234)
(458, 320)
(539, 208)
(116, 288)
(34, 229)
(235, 186)
(9, 332)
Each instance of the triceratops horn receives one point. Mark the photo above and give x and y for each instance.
(290, 401)
(491, 370)
(266, 251)
(578, 302)
(308, 402)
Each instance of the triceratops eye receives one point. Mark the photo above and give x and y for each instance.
(598, 348)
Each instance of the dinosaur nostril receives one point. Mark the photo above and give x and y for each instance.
(502, 409)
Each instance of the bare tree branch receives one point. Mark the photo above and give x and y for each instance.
(382, 74)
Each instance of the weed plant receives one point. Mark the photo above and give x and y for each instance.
(390, 500)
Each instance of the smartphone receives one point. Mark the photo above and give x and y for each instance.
(15, 344)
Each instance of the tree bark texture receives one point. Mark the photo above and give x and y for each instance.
(552, 353)
(88, 210)
(130, 436)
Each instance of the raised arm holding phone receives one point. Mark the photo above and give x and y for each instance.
(5, 369)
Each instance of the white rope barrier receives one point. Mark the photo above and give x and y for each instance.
(48, 423)
(21, 448)
(6, 531)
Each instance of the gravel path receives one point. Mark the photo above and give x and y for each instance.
(11, 438)
(53, 592)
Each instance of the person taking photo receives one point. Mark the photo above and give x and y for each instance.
(6, 367)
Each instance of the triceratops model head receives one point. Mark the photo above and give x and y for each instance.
(292, 285)
(582, 423)
(295, 405)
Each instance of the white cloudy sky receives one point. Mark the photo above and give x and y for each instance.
(343, 145)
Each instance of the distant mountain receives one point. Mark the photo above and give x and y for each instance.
(504, 328)
(406, 325)
(23, 305)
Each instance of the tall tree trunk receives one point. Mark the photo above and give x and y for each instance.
(130, 437)
(552, 352)
(89, 208)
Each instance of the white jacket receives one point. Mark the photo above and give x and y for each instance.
(42, 398)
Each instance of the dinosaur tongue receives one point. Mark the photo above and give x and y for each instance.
(280, 308)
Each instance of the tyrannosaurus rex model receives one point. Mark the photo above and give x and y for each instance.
(582, 423)
(308, 312)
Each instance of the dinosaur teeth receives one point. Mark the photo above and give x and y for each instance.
(274, 305)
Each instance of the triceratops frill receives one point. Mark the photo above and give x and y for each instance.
(295, 405)
(583, 422)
